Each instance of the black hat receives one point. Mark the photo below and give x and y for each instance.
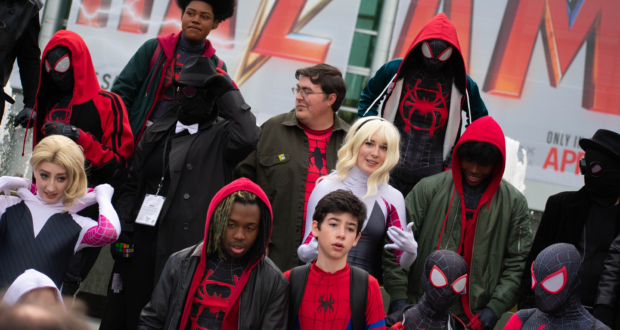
(196, 70)
(603, 140)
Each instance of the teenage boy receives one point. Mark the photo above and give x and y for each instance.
(469, 210)
(330, 294)
(146, 82)
(225, 282)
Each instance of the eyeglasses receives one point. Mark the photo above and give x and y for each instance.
(595, 168)
(189, 91)
(304, 92)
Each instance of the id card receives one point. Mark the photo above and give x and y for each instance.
(149, 212)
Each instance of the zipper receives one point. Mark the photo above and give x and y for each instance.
(452, 229)
(519, 243)
(472, 264)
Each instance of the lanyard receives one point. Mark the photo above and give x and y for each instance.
(163, 165)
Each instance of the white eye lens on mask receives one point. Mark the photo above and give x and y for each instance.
(459, 285)
(426, 50)
(445, 55)
(438, 279)
(63, 64)
(555, 282)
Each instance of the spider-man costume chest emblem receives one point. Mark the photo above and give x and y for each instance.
(326, 305)
(433, 109)
(317, 158)
(213, 295)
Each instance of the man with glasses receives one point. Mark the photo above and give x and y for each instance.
(589, 218)
(295, 149)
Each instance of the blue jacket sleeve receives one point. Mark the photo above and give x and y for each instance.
(478, 109)
(375, 86)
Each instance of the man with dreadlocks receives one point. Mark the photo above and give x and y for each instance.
(225, 276)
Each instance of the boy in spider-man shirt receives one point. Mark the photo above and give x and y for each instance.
(320, 295)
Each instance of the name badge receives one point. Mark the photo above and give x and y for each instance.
(149, 212)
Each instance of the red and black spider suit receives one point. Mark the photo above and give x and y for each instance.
(556, 281)
(70, 102)
(213, 293)
(444, 279)
(425, 103)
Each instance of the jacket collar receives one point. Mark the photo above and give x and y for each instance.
(198, 250)
(291, 120)
(169, 43)
(169, 119)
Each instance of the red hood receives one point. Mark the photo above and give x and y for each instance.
(86, 84)
(485, 129)
(237, 185)
(439, 27)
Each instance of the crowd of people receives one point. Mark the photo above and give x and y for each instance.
(217, 223)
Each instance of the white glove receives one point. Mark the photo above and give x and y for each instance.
(8, 182)
(104, 193)
(403, 241)
(307, 253)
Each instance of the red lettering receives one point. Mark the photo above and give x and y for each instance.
(421, 11)
(94, 13)
(566, 160)
(172, 20)
(579, 156)
(280, 38)
(552, 159)
(595, 24)
(135, 16)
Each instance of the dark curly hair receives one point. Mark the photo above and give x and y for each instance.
(483, 153)
(338, 202)
(222, 9)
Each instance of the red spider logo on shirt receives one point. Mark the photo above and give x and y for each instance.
(424, 107)
(218, 302)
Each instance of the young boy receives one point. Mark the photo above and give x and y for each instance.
(330, 294)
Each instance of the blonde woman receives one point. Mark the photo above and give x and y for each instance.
(40, 229)
(369, 152)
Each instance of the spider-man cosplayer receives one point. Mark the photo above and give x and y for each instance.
(225, 282)
(444, 279)
(70, 102)
(425, 103)
(555, 281)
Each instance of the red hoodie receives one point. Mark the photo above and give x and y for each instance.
(485, 129)
(232, 311)
(100, 115)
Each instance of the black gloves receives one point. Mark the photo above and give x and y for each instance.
(485, 320)
(23, 116)
(67, 130)
(218, 85)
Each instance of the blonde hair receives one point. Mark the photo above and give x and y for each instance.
(62, 151)
(361, 131)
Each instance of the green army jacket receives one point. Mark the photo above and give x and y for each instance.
(502, 242)
(280, 166)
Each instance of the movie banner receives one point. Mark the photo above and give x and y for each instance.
(262, 44)
(548, 70)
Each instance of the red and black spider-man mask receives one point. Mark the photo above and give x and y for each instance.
(444, 279)
(436, 53)
(555, 277)
(58, 64)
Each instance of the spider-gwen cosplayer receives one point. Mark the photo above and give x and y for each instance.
(444, 280)
(556, 281)
(70, 102)
(369, 152)
(425, 102)
(40, 229)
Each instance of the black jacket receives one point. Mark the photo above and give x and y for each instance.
(263, 304)
(609, 287)
(19, 39)
(563, 222)
(200, 165)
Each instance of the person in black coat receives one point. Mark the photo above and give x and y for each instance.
(607, 308)
(20, 40)
(589, 218)
(186, 157)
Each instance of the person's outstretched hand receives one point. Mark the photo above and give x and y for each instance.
(23, 117)
(8, 182)
(403, 240)
(485, 320)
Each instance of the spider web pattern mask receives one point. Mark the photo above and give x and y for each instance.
(436, 53)
(58, 64)
(555, 277)
(444, 279)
